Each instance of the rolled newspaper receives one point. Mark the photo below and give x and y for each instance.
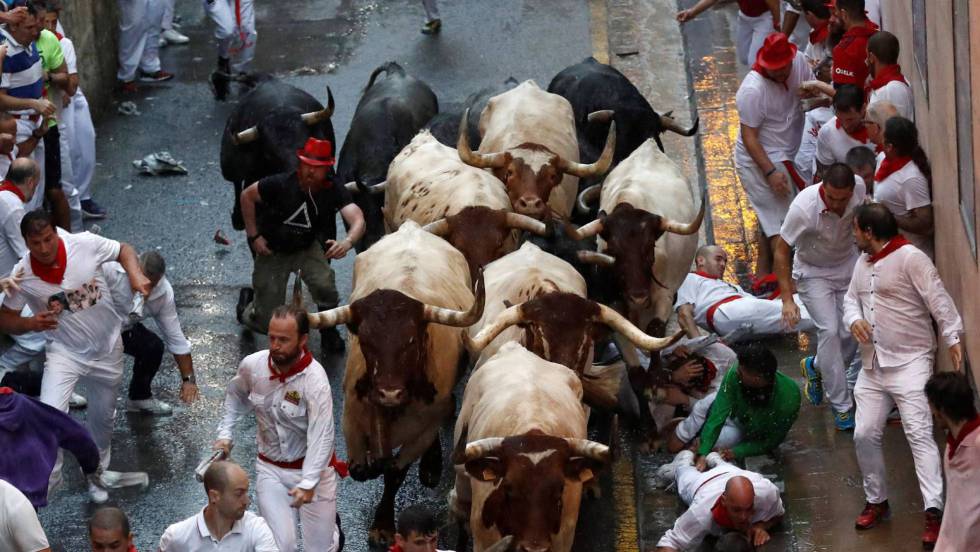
(206, 463)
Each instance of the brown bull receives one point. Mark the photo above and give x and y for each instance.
(410, 289)
(530, 144)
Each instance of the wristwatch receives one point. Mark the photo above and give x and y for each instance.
(189, 378)
(253, 238)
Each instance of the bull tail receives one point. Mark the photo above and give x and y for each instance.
(298, 290)
(601, 385)
(387, 68)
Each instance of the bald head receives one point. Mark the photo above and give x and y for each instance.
(108, 530)
(712, 260)
(739, 501)
(220, 474)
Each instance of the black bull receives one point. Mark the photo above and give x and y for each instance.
(389, 114)
(264, 132)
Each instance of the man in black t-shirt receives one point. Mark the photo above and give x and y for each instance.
(291, 225)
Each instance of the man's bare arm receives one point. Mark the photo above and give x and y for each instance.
(685, 319)
(918, 221)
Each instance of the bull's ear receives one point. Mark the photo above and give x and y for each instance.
(488, 468)
(581, 469)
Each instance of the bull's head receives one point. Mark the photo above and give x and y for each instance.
(631, 235)
(637, 125)
(370, 199)
(530, 472)
(280, 133)
(480, 233)
(531, 171)
(391, 328)
(561, 327)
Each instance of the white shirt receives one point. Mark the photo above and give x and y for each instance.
(815, 119)
(701, 293)
(774, 109)
(160, 306)
(89, 327)
(696, 523)
(6, 160)
(20, 530)
(12, 246)
(249, 534)
(816, 53)
(897, 295)
(295, 417)
(899, 94)
(833, 143)
(904, 190)
(824, 242)
(71, 60)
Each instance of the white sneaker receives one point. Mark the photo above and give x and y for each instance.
(162, 42)
(668, 471)
(173, 37)
(98, 494)
(77, 401)
(115, 479)
(713, 459)
(152, 407)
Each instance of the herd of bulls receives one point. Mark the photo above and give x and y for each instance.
(480, 255)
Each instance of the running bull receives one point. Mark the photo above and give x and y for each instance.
(411, 290)
(265, 130)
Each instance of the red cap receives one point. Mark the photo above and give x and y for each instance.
(776, 52)
(318, 153)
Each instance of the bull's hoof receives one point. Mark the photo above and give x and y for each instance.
(361, 472)
(430, 466)
(381, 537)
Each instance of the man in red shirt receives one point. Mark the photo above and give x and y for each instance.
(851, 53)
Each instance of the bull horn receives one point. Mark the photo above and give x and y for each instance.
(479, 160)
(588, 449)
(601, 116)
(585, 231)
(596, 258)
(509, 317)
(668, 123)
(330, 318)
(503, 545)
(298, 290)
(322, 115)
(599, 168)
(378, 188)
(524, 222)
(483, 448)
(588, 195)
(624, 327)
(351, 187)
(246, 136)
(439, 227)
(692, 227)
(459, 319)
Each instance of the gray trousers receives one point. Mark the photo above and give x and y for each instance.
(270, 278)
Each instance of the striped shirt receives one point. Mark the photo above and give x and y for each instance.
(23, 74)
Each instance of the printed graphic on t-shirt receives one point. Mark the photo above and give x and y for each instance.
(301, 218)
(77, 299)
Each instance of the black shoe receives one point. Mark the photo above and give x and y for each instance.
(331, 341)
(219, 85)
(245, 297)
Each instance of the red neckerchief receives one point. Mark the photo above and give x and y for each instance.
(305, 360)
(706, 275)
(889, 165)
(952, 443)
(395, 548)
(890, 247)
(819, 34)
(823, 198)
(54, 273)
(886, 75)
(59, 35)
(132, 548)
(762, 71)
(860, 31)
(879, 149)
(861, 134)
(720, 515)
(8, 186)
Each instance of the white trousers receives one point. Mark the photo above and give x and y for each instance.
(431, 9)
(731, 432)
(689, 479)
(876, 392)
(82, 144)
(750, 33)
(836, 349)
(167, 17)
(139, 34)
(25, 128)
(319, 518)
(62, 370)
(761, 316)
(234, 29)
(66, 129)
(769, 207)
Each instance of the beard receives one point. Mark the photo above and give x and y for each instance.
(286, 358)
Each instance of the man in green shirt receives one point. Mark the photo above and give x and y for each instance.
(751, 413)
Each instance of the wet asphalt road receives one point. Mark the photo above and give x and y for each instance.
(309, 43)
